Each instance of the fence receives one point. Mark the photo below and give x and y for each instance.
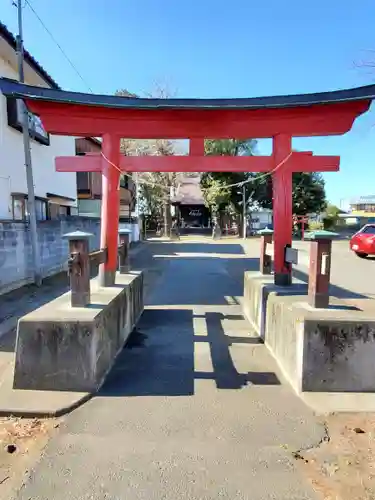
(15, 247)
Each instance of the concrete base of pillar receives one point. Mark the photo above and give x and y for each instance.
(72, 349)
(106, 278)
(318, 350)
(257, 288)
(323, 350)
(283, 279)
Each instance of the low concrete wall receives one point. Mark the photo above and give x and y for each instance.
(323, 350)
(15, 248)
(320, 350)
(72, 349)
(257, 288)
(283, 336)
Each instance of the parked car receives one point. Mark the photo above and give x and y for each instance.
(363, 242)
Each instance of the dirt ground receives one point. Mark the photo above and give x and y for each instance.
(343, 466)
(21, 444)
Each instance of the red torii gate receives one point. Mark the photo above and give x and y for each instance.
(113, 117)
(281, 174)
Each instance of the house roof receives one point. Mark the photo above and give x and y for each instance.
(189, 191)
(19, 90)
(370, 199)
(38, 68)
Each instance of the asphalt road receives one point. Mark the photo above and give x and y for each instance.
(351, 276)
(195, 407)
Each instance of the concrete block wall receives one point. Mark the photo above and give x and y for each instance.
(15, 248)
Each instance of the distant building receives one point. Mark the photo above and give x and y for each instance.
(189, 197)
(55, 192)
(363, 206)
(360, 211)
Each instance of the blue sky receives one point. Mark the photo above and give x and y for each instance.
(217, 48)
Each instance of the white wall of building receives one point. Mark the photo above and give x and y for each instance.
(12, 164)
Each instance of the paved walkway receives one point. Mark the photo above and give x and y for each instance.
(195, 407)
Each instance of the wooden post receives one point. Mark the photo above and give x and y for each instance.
(282, 207)
(265, 264)
(79, 268)
(110, 207)
(124, 261)
(320, 267)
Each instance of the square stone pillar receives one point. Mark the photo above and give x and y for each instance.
(265, 264)
(79, 267)
(320, 267)
(124, 260)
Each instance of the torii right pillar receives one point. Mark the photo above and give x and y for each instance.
(282, 207)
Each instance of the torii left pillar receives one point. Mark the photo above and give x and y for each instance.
(282, 207)
(110, 210)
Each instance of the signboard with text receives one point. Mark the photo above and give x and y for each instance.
(36, 129)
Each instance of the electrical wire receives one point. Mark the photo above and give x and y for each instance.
(153, 184)
(141, 181)
(242, 183)
(27, 2)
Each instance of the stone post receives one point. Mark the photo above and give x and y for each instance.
(320, 267)
(79, 267)
(265, 264)
(124, 263)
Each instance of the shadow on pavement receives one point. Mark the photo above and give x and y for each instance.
(207, 248)
(163, 364)
(214, 275)
(224, 371)
(158, 359)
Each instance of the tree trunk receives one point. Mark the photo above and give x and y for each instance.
(216, 227)
(167, 219)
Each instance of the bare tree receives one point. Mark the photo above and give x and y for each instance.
(155, 187)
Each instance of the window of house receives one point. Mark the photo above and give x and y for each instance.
(64, 210)
(41, 209)
(18, 207)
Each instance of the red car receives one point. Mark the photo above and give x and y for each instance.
(363, 242)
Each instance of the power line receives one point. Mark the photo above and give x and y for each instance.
(27, 2)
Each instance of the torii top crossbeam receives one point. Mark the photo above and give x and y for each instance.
(72, 113)
(279, 117)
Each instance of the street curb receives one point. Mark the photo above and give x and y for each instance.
(48, 414)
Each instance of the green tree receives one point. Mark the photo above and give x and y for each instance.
(218, 192)
(331, 216)
(308, 193)
(332, 211)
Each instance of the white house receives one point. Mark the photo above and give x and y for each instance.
(55, 192)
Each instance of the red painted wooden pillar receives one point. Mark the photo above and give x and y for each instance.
(282, 208)
(110, 207)
(196, 147)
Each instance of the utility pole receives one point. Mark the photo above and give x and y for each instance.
(137, 211)
(27, 153)
(244, 211)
